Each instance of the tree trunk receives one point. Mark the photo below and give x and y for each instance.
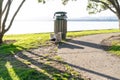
(119, 21)
(118, 16)
(1, 38)
(119, 24)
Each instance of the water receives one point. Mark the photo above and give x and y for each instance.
(22, 27)
(91, 25)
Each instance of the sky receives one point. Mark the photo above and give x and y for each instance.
(33, 13)
(32, 10)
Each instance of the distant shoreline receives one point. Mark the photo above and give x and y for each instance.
(95, 20)
(82, 19)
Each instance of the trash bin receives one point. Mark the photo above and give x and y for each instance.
(60, 23)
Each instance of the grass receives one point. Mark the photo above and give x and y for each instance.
(115, 48)
(27, 41)
(43, 67)
(23, 42)
(90, 32)
(13, 69)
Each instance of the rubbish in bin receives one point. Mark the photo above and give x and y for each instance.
(56, 37)
(52, 37)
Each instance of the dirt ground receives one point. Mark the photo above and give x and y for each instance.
(86, 55)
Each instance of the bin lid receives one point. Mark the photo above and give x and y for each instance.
(60, 15)
(61, 12)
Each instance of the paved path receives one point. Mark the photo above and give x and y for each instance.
(86, 55)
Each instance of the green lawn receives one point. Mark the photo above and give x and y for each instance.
(23, 42)
(90, 32)
(115, 49)
(27, 41)
(13, 69)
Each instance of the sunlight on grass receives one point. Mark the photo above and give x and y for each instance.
(90, 32)
(1, 78)
(23, 42)
(24, 69)
(11, 71)
(27, 41)
(58, 58)
(71, 70)
(33, 66)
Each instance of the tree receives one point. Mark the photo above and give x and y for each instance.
(95, 6)
(4, 13)
(64, 2)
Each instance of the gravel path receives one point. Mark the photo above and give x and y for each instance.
(86, 55)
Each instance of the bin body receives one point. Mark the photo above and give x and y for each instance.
(60, 23)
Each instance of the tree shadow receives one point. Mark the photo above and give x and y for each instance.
(54, 72)
(93, 72)
(24, 71)
(24, 67)
(13, 69)
(3, 70)
(8, 49)
(114, 48)
(72, 44)
(78, 67)
(92, 45)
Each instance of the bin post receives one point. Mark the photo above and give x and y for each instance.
(60, 23)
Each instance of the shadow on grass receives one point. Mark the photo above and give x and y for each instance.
(51, 70)
(31, 66)
(115, 48)
(13, 69)
(10, 49)
(77, 67)
(25, 67)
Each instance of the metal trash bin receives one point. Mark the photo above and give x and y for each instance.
(60, 23)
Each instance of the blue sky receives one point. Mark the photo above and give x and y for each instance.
(33, 10)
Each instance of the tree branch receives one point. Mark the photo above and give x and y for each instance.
(105, 5)
(1, 2)
(6, 15)
(118, 8)
(14, 15)
(5, 7)
(115, 3)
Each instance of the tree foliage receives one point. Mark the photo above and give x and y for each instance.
(95, 6)
(43, 1)
(64, 2)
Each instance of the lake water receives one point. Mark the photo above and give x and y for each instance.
(22, 27)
